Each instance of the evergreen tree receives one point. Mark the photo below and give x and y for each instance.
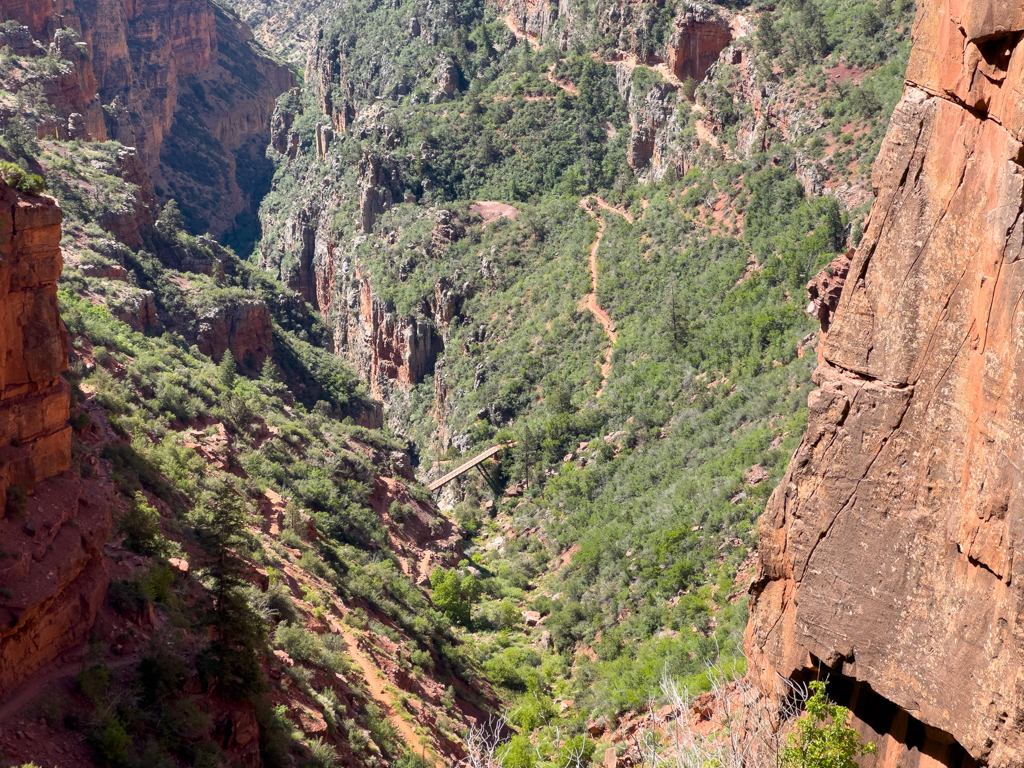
(526, 453)
(231, 658)
(268, 375)
(227, 370)
(170, 221)
(679, 324)
(813, 43)
(768, 38)
(834, 229)
(19, 138)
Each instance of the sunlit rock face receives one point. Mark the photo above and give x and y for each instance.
(889, 553)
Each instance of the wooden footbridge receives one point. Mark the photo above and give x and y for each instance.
(476, 461)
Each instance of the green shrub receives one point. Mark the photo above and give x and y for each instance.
(421, 659)
(17, 501)
(110, 743)
(323, 755)
(823, 737)
(21, 180)
(141, 528)
(297, 642)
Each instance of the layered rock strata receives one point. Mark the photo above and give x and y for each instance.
(889, 553)
(52, 525)
(181, 81)
(35, 438)
(240, 325)
(387, 349)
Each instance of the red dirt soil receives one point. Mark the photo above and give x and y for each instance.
(490, 210)
(590, 300)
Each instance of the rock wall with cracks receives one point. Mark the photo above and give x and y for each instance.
(891, 552)
(53, 523)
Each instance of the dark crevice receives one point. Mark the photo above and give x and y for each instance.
(977, 563)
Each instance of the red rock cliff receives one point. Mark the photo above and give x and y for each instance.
(889, 551)
(52, 529)
(183, 82)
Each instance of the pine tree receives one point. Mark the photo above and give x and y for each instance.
(835, 230)
(526, 453)
(268, 375)
(768, 38)
(227, 370)
(237, 631)
(170, 221)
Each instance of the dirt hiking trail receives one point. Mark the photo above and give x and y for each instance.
(381, 694)
(589, 301)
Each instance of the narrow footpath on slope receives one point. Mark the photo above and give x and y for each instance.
(590, 300)
(32, 689)
(382, 696)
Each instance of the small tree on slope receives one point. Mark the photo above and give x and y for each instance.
(823, 738)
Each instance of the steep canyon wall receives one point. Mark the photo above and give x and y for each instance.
(184, 83)
(390, 351)
(889, 553)
(52, 522)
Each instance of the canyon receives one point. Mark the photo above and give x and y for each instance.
(630, 325)
(183, 83)
(890, 551)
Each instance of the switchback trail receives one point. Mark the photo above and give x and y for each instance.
(590, 300)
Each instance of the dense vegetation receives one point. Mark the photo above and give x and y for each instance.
(624, 515)
(629, 517)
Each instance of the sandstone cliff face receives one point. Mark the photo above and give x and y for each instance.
(386, 348)
(51, 526)
(890, 551)
(34, 434)
(390, 352)
(243, 326)
(183, 82)
(697, 37)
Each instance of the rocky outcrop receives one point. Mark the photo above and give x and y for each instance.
(698, 37)
(52, 524)
(825, 289)
(656, 127)
(388, 349)
(699, 33)
(183, 82)
(35, 438)
(889, 552)
(376, 181)
(324, 80)
(241, 325)
(536, 20)
(385, 347)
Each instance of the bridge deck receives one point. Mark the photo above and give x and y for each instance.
(478, 459)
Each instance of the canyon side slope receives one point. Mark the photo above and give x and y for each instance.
(587, 231)
(889, 550)
(212, 554)
(183, 82)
